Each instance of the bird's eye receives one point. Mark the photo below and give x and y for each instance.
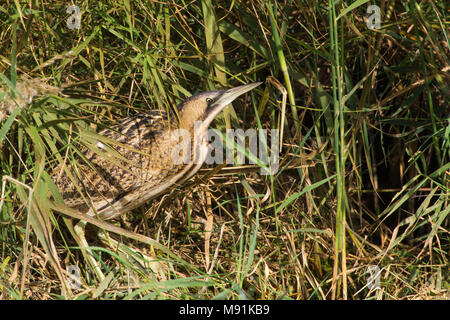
(209, 100)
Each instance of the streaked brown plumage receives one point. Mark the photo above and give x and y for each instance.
(138, 165)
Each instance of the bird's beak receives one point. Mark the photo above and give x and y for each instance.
(226, 97)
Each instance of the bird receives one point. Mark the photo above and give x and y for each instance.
(141, 162)
(140, 158)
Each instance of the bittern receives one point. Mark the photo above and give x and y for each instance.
(144, 165)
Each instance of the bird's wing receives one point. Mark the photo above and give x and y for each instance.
(112, 169)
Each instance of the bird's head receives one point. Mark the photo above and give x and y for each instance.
(205, 106)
